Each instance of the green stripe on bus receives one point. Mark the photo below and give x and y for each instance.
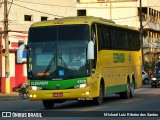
(63, 84)
(117, 88)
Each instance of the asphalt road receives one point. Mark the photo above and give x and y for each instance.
(146, 101)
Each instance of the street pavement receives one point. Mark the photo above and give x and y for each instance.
(9, 96)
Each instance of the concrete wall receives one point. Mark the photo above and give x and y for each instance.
(125, 13)
(37, 8)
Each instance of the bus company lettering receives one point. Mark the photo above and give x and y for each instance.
(40, 83)
(118, 57)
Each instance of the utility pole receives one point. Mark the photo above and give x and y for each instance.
(141, 30)
(7, 66)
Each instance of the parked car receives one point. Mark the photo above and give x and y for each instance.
(155, 80)
(145, 77)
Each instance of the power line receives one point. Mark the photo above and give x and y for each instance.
(124, 18)
(44, 4)
(10, 7)
(35, 10)
(150, 41)
(149, 21)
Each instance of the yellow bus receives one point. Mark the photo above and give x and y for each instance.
(83, 58)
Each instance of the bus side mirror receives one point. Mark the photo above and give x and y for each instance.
(90, 51)
(20, 53)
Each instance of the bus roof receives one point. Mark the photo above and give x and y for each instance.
(79, 20)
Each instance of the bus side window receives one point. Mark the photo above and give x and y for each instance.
(107, 38)
(113, 38)
(102, 43)
(126, 39)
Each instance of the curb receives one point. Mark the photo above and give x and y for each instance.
(13, 94)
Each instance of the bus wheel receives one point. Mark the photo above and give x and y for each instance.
(48, 104)
(126, 94)
(99, 100)
(132, 87)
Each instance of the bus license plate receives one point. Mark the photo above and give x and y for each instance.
(57, 94)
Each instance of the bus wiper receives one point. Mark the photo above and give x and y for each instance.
(63, 62)
(50, 65)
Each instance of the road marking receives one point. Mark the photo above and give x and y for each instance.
(132, 100)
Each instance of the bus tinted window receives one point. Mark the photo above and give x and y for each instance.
(76, 32)
(111, 37)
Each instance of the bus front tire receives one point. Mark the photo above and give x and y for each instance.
(48, 104)
(99, 100)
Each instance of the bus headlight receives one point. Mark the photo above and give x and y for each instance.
(81, 85)
(35, 88)
(154, 78)
(33, 96)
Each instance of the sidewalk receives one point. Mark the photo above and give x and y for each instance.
(10, 96)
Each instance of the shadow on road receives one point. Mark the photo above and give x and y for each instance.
(144, 92)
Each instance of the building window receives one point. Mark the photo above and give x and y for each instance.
(43, 18)
(27, 17)
(81, 12)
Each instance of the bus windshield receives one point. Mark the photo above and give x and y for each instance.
(58, 52)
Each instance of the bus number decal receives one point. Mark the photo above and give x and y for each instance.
(81, 81)
(118, 57)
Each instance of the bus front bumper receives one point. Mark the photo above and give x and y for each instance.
(60, 94)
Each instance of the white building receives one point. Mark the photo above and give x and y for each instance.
(126, 12)
(21, 14)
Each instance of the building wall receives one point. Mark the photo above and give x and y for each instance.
(19, 30)
(37, 8)
(126, 12)
(154, 4)
(12, 72)
(18, 74)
